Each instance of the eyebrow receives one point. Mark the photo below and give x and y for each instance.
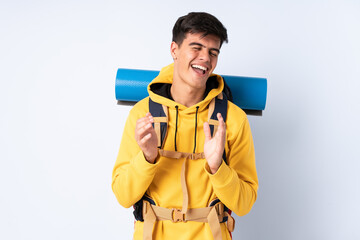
(200, 45)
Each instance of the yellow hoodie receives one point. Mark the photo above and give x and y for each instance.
(235, 183)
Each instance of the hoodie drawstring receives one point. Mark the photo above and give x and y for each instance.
(197, 109)
(177, 113)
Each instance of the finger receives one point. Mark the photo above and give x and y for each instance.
(145, 138)
(144, 127)
(141, 125)
(207, 131)
(221, 127)
(141, 132)
(147, 116)
(150, 118)
(221, 121)
(141, 122)
(221, 131)
(219, 117)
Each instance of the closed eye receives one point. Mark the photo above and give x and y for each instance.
(214, 53)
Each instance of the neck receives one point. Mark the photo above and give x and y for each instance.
(185, 95)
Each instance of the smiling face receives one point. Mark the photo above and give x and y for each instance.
(194, 60)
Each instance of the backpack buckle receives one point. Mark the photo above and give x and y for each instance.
(177, 216)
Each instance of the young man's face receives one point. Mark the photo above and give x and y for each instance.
(195, 59)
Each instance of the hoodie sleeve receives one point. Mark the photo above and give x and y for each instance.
(236, 184)
(132, 174)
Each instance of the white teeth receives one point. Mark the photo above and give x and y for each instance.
(199, 67)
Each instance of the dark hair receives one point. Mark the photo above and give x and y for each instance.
(198, 22)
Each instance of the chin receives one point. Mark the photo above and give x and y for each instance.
(198, 84)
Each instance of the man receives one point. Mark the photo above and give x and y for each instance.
(186, 179)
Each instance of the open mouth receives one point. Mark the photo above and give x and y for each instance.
(199, 69)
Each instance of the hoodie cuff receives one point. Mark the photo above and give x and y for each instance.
(221, 177)
(144, 166)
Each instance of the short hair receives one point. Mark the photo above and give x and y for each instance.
(198, 22)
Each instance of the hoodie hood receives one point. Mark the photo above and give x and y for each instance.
(215, 86)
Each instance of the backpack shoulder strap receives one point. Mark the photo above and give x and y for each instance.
(217, 105)
(160, 116)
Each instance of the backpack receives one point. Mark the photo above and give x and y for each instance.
(159, 113)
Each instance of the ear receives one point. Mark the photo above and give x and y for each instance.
(174, 50)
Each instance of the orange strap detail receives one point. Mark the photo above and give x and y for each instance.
(160, 119)
(149, 220)
(158, 133)
(211, 109)
(210, 112)
(178, 155)
(184, 188)
(214, 224)
(230, 222)
(215, 123)
(165, 108)
(157, 122)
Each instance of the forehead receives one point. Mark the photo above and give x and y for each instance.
(208, 40)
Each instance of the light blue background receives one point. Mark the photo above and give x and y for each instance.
(61, 128)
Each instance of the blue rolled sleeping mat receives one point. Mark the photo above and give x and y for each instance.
(249, 93)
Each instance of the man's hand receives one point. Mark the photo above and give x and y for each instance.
(146, 138)
(214, 147)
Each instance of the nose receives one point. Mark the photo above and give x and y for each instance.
(204, 55)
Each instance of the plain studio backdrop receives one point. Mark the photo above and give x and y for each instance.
(61, 127)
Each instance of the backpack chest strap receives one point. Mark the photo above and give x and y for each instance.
(178, 155)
